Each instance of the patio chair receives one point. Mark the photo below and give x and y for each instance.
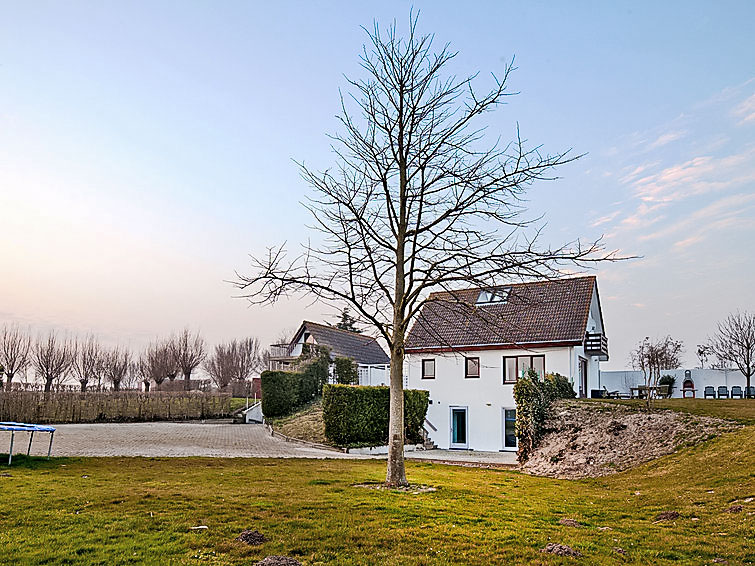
(736, 391)
(663, 391)
(723, 392)
(750, 392)
(709, 392)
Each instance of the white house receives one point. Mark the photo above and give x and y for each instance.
(468, 348)
(372, 361)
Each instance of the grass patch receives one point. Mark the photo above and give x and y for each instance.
(741, 410)
(305, 424)
(240, 403)
(140, 510)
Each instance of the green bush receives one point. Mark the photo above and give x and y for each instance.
(533, 398)
(314, 362)
(559, 387)
(669, 380)
(280, 392)
(346, 371)
(358, 415)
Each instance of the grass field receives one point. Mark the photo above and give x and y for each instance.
(120, 511)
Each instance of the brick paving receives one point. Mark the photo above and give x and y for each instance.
(166, 439)
(210, 439)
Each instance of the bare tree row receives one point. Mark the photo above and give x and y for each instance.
(54, 358)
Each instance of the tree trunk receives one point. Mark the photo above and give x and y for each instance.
(396, 474)
(187, 380)
(146, 386)
(83, 386)
(9, 385)
(48, 385)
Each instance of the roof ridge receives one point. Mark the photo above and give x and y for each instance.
(520, 284)
(329, 327)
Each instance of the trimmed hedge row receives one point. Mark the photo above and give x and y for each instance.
(357, 415)
(533, 398)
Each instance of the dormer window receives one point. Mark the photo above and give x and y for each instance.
(493, 296)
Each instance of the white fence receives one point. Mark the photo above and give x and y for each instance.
(622, 381)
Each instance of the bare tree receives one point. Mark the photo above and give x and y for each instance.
(417, 202)
(116, 365)
(249, 358)
(189, 352)
(15, 346)
(235, 361)
(157, 363)
(220, 366)
(52, 357)
(734, 343)
(654, 356)
(87, 361)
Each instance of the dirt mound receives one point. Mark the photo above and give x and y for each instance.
(251, 537)
(278, 561)
(591, 439)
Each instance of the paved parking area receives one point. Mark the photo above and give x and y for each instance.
(211, 439)
(166, 439)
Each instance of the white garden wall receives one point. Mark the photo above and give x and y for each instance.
(622, 381)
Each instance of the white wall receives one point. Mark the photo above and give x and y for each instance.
(373, 374)
(486, 396)
(623, 380)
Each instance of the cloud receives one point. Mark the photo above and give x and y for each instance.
(604, 219)
(667, 138)
(699, 175)
(725, 213)
(745, 110)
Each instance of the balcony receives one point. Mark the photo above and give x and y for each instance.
(596, 344)
(280, 350)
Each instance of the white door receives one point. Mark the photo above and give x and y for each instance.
(459, 432)
(509, 429)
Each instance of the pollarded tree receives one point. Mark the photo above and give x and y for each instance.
(157, 364)
(116, 365)
(734, 343)
(221, 365)
(87, 363)
(249, 358)
(52, 357)
(15, 347)
(188, 353)
(416, 202)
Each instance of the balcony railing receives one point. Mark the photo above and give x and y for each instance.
(280, 350)
(596, 344)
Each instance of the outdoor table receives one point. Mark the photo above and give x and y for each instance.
(13, 428)
(690, 390)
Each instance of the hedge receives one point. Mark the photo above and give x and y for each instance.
(533, 399)
(357, 415)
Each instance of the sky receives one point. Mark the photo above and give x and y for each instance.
(147, 148)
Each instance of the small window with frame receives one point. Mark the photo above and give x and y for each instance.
(428, 369)
(471, 368)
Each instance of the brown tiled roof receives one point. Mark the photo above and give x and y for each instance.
(342, 343)
(540, 312)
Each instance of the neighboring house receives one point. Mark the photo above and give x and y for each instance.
(468, 348)
(372, 361)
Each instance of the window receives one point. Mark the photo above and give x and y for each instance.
(516, 367)
(428, 369)
(493, 296)
(472, 367)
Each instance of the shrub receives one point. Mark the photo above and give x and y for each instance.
(669, 380)
(357, 415)
(346, 371)
(314, 362)
(280, 392)
(533, 398)
(559, 387)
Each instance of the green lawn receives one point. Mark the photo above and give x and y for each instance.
(742, 410)
(120, 510)
(240, 403)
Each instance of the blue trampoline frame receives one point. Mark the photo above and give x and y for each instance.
(13, 428)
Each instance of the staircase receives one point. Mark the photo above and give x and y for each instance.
(427, 442)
